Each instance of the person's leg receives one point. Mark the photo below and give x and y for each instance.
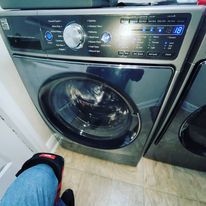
(60, 203)
(36, 186)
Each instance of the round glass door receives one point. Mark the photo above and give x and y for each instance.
(192, 133)
(90, 111)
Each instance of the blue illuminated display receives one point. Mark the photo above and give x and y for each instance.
(178, 30)
(152, 29)
(144, 29)
(160, 29)
(163, 30)
(48, 36)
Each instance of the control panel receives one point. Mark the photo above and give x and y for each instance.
(154, 36)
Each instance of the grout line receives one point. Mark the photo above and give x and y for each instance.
(170, 194)
(111, 178)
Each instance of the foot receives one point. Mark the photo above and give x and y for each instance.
(68, 197)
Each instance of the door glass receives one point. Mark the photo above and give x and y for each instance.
(91, 107)
(193, 132)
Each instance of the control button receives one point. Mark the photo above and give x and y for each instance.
(139, 54)
(161, 20)
(134, 21)
(48, 36)
(151, 47)
(168, 54)
(181, 21)
(152, 29)
(121, 53)
(62, 49)
(106, 37)
(156, 37)
(143, 19)
(152, 19)
(124, 21)
(153, 54)
(171, 20)
(74, 36)
(160, 29)
(144, 29)
(172, 37)
(126, 53)
(168, 30)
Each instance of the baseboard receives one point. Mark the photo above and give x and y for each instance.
(53, 143)
(189, 107)
(148, 103)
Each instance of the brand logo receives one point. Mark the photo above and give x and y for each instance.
(4, 24)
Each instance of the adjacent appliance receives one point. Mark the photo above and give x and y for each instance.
(182, 139)
(101, 78)
(52, 4)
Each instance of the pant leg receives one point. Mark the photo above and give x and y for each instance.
(36, 186)
(60, 203)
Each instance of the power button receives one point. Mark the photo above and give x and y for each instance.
(48, 36)
(106, 37)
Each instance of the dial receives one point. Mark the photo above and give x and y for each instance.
(74, 36)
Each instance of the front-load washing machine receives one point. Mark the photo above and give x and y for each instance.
(96, 75)
(182, 140)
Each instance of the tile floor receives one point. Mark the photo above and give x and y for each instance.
(101, 183)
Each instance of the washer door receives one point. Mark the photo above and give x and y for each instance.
(192, 133)
(90, 111)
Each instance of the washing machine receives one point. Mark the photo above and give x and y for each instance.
(182, 140)
(100, 78)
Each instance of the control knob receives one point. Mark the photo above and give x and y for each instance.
(74, 36)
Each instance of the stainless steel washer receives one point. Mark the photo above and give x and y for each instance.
(101, 78)
(182, 139)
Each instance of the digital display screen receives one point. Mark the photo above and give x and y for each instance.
(178, 30)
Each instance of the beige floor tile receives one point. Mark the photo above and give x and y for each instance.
(129, 174)
(79, 161)
(124, 194)
(61, 151)
(104, 168)
(201, 188)
(91, 165)
(67, 154)
(173, 180)
(159, 176)
(101, 167)
(98, 182)
(186, 182)
(155, 198)
(71, 179)
(202, 204)
(94, 191)
(187, 202)
(100, 191)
